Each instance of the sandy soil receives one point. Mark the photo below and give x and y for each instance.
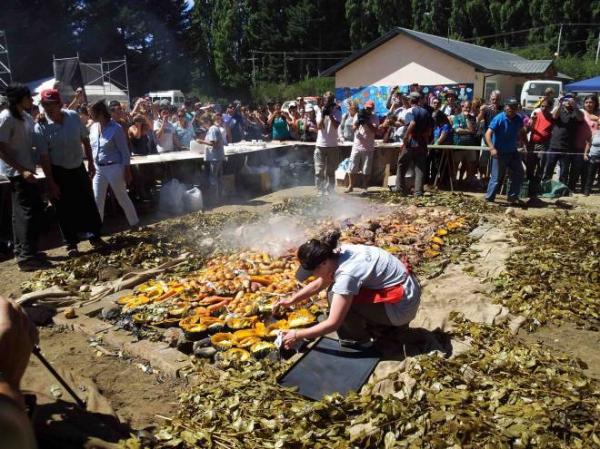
(137, 397)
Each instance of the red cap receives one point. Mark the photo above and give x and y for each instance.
(50, 96)
(370, 104)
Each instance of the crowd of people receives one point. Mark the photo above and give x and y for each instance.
(59, 137)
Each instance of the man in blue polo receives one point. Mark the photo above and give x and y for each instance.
(503, 137)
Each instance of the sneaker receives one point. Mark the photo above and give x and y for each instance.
(34, 265)
(72, 251)
(97, 243)
(349, 190)
(353, 344)
(364, 193)
(515, 202)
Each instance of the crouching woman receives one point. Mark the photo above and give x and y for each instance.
(371, 292)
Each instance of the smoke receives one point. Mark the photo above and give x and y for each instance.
(280, 234)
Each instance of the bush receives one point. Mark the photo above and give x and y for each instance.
(263, 92)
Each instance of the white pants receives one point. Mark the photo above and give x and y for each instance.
(114, 176)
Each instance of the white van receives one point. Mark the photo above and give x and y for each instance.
(533, 91)
(175, 97)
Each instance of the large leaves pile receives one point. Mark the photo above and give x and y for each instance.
(556, 275)
(499, 394)
(148, 248)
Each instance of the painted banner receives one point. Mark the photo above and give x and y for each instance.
(380, 94)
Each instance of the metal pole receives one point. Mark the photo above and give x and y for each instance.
(42, 359)
(253, 68)
(102, 80)
(598, 48)
(559, 39)
(127, 81)
(7, 56)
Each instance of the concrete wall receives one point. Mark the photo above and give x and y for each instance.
(401, 61)
(507, 84)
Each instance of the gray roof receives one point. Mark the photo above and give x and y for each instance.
(482, 58)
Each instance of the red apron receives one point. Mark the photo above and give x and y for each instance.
(388, 295)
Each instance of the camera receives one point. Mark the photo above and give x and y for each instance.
(362, 117)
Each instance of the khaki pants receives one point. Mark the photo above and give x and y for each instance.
(326, 161)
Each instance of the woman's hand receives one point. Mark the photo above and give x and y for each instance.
(290, 339)
(282, 303)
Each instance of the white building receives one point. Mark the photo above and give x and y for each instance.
(403, 57)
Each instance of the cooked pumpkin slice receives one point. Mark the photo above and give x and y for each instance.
(301, 317)
(262, 348)
(277, 326)
(222, 341)
(241, 323)
(244, 333)
(235, 355)
(247, 342)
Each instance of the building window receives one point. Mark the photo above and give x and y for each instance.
(490, 86)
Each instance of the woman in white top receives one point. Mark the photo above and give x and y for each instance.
(111, 159)
(371, 291)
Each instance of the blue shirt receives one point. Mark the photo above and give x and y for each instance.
(109, 146)
(506, 132)
(437, 132)
(62, 141)
(184, 135)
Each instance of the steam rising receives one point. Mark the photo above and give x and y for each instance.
(279, 234)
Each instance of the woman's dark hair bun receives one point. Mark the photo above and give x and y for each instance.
(331, 238)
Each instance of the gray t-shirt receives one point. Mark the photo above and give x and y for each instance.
(18, 136)
(362, 266)
(62, 142)
(216, 152)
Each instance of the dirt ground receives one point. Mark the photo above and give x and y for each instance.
(138, 397)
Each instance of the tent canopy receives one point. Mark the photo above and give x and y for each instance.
(589, 85)
(107, 91)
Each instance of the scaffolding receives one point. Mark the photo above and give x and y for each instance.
(105, 77)
(5, 72)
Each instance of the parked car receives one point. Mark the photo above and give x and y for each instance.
(175, 97)
(533, 91)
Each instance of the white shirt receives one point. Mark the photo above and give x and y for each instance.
(165, 143)
(327, 135)
(18, 137)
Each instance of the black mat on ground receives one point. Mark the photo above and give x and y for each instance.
(328, 368)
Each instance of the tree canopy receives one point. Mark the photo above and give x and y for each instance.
(219, 45)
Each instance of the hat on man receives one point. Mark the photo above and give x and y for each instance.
(512, 102)
(415, 95)
(451, 93)
(370, 104)
(50, 96)
(309, 108)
